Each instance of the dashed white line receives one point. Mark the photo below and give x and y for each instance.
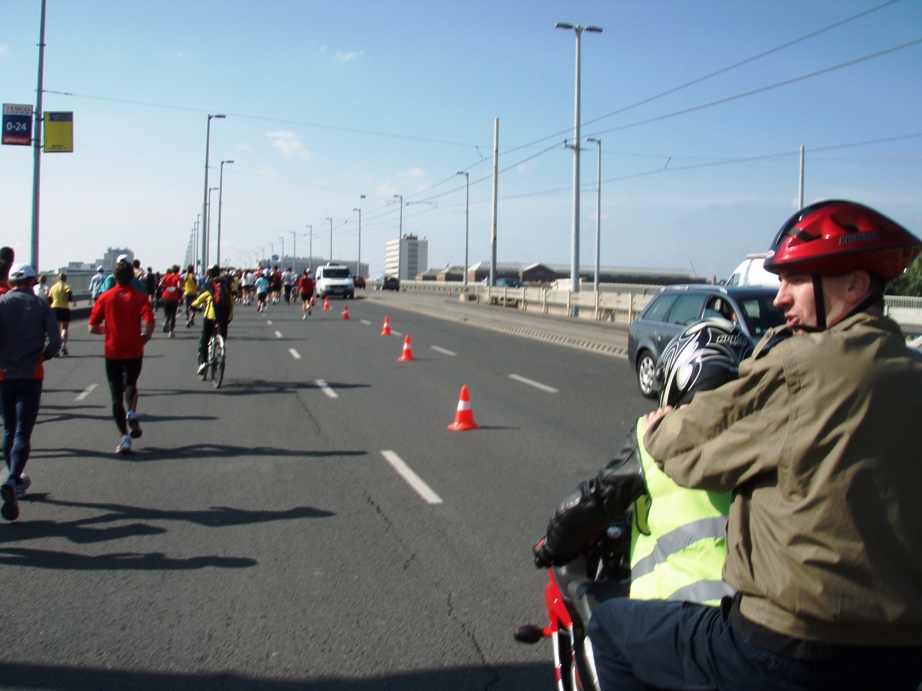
(396, 333)
(443, 351)
(278, 334)
(326, 388)
(86, 392)
(294, 353)
(412, 478)
(269, 322)
(537, 385)
(365, 322)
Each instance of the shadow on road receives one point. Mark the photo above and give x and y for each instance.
(119, 561)
(155, 453)
(246, 387)
(508, 677)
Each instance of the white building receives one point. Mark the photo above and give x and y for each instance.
(410, 252)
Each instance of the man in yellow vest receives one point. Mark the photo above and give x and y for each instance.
(678, 536)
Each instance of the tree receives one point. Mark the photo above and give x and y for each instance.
(909, 283)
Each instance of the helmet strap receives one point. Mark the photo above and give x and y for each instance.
(820, 299)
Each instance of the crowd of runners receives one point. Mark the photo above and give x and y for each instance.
(39, 316)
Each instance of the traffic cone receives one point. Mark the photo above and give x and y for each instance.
(386, 331)
(345, 312)
(326, 303)
(407, 355)
(464, 418)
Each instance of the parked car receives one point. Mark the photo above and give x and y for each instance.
(509, 283)
(497, 297)
(675, 307)
(334, 279)
(387, 283)
(359, 281)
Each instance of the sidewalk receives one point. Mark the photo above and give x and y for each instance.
(603, 337)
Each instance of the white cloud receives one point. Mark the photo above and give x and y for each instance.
(351, 55)
(268, 174)
(385, 191)
(288, 144)
(412, 174)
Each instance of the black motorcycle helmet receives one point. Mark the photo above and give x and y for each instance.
(704, 356)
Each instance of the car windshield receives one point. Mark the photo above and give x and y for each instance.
(760, 314)
(336, 273)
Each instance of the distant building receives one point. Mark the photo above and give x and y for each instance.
(112, 254)
(545, 274)
(409, 253)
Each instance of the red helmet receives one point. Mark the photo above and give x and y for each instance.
(834, 237)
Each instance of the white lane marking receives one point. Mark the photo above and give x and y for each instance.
(294, 353)
(269, 322)
(537, 385)
(412, 478)
(396, 333)
(443, 351)
(278, 334)
(365, 322)
(86, 392)
(326, 388)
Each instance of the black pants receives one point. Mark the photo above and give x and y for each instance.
(207, 330)
(169, 315)
(123, 383)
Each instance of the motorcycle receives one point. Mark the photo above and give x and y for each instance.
(601, 573)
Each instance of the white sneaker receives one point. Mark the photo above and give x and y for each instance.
(303, 317)
(124, 446)
(25, 482)
(202, 368)
(133, 425)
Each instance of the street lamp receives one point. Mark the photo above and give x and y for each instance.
(271, 252)
(220, 198)
(310, 235)
(574, 259)
(598, 212)
(205, 196)
(358, 264)
(208, 219)
(331, 238)
(467, 215)
(399, 233)
(282, 240)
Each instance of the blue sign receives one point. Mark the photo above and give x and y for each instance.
(17, 124)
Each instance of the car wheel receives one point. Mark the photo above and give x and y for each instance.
(646, 368)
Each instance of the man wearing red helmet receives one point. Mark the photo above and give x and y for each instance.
(818, 442)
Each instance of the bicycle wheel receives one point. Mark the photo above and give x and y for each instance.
(217, 368)
(208, 355)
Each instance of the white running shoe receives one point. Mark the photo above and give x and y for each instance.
(25, 482)
(202, 368)
(134, 425)
(124, 446)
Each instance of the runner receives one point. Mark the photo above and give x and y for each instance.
(96, 283)
(276, 282)
(61, 298)
(262, 291)
(171, 287)
(249, 284)
(117, 314)
(306, 286)
(287, 280)
(190, 291)
(26, 321)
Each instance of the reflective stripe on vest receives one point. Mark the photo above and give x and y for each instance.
(678, 539)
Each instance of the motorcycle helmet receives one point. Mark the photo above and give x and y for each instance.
(704, 356)
(834, 237)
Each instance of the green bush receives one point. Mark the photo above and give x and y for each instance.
(910, 283)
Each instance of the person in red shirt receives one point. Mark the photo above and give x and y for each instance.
(306, 286)
(117, 314)
(170, 292)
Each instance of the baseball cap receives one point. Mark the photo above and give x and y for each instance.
(99, 268)
(19, 272)
(122, 258)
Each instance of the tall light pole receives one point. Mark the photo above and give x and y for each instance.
(331, 238)
(294, 246)
(467, 216)
(197, 227)
(205, 196)
(598, 212)
(220, 198)
(271, 252)
(310, 236)
(208, 218)
(399, 233)
(574, 252)
(282, 257)
(358, 264)
(37, 135)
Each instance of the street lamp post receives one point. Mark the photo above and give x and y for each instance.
(208, 219)
(310, 240)
(282, 257)
(205, 196)
(331, 238)
(220, 198)
(598, 212)
(467, 215)
(399, 233)
(271, 252)
(574, 258)
(358, 264)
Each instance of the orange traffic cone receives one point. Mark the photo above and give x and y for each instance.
(386, 331)
(464, 418)
(407, 355)
(326, 303)
(345, 312)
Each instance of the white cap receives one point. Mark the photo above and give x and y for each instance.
(19, 272)
(122, 258)
(99, 268)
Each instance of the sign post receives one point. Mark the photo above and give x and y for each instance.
(17, 124)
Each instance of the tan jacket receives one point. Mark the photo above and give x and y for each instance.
(820, 440)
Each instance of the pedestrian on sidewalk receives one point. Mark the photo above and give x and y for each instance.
(29, 335)
(62, 298)
(117, 314)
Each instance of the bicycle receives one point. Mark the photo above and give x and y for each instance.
(216, 355)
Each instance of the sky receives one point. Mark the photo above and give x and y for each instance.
(701, 107)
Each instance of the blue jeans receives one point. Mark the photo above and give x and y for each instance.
(641, 645)
(21, 399)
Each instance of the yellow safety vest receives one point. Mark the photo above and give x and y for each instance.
(678, 539)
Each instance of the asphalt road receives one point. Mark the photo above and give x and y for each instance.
(259, 537)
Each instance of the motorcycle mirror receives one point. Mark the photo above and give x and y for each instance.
(530, 633)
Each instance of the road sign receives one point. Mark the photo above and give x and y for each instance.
(17, 124)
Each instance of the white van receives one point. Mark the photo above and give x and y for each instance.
(334, 279)
(752, 273)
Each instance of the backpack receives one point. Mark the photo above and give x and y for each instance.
(222, 297)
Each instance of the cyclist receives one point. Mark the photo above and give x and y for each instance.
(189, 292)
(217, 304)
(817, 441)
